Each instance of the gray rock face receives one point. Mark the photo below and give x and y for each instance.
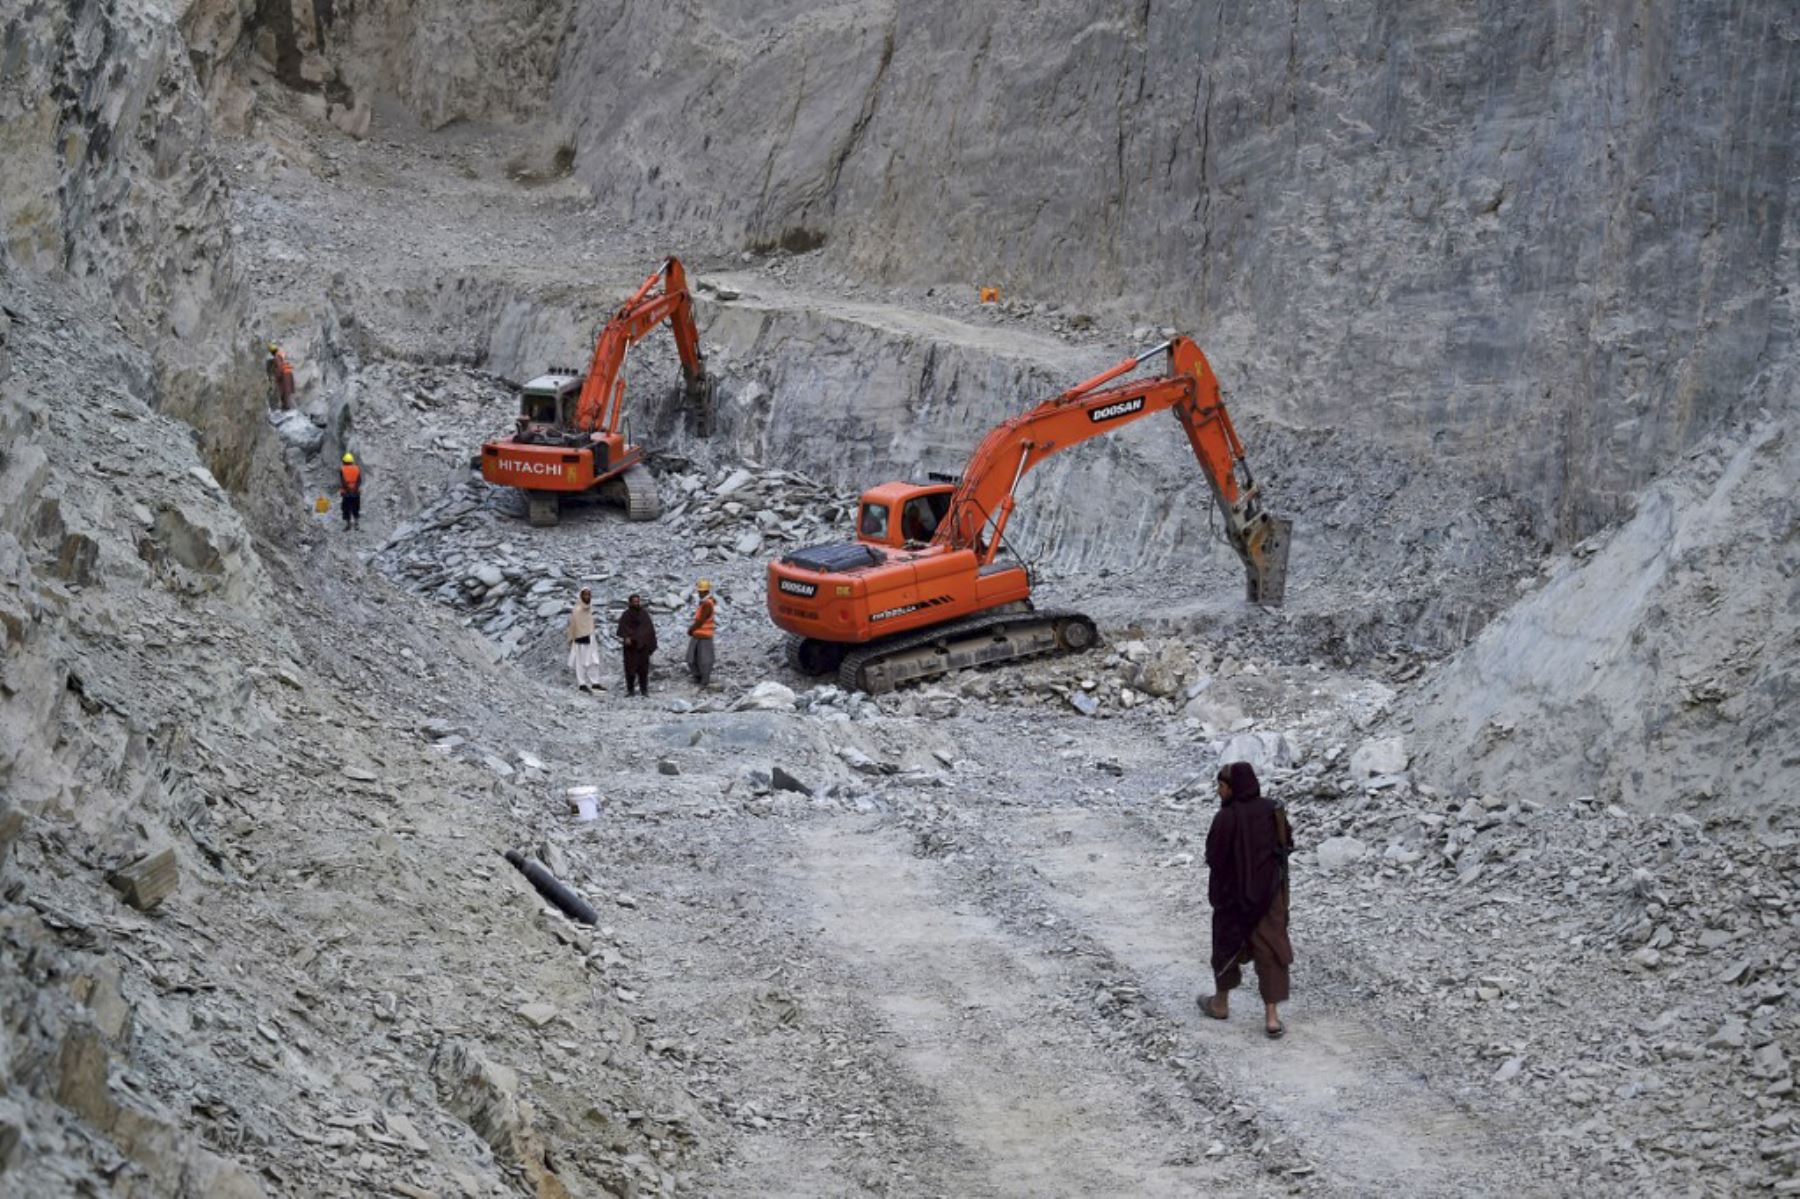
(1658, 663)
(112, 185)
(1496, 239)
(444, 61)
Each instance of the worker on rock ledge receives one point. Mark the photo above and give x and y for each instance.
(637, 637)
(350, 491)
(281, 374)
(1247, 851)
(700, 637)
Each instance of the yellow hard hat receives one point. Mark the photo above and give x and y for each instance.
(273, 348)
(349, 458)
(705, 586)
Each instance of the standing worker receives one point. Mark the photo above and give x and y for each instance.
(700, 637)
(281, 373)
(350, 490)
(1247, 849)
(637, 636)
(584, 654)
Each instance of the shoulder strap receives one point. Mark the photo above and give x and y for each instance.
(1284, 831)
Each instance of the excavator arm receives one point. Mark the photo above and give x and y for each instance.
(601, 405)
(984, 500)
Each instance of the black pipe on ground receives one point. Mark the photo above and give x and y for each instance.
(572, 905)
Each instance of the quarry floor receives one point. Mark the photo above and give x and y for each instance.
(964, 960)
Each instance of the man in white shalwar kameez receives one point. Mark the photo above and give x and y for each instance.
(584, 651)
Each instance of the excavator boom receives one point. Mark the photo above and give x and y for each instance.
(602, 402)
(984, 500)
(893, 606)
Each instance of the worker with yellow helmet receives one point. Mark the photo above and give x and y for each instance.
(700, 637)
(350, 481)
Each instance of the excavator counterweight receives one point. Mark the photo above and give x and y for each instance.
(570, 438)
(923, 589)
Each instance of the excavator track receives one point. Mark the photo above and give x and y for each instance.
(642, 501)
(811, 657)
(975, 641)
(543, 509)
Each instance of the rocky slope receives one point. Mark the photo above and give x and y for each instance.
(1658, 665)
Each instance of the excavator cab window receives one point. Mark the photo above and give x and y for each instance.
(920, 517)
(872, 525)
(540, 409)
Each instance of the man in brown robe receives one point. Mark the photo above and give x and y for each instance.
(637, 637)
(1246, 855)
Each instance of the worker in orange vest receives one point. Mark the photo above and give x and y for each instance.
(281, 373)
(350, 490)
(700, 637)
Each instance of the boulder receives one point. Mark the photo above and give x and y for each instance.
(857, 760)
(1265, 752)
(1379, 756)
(297, 429)
(940, 705)
(781, 780)
(1162, 672)
(147, 881)
(1335, 853)
(767, 696)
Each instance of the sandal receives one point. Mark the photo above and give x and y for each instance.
(1276, 1033)
(1205, 1004)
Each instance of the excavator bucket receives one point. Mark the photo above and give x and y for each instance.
(699, 394)
(1266, 561)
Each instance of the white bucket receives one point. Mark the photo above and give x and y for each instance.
(584, 802)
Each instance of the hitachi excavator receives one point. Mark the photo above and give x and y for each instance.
(569, 438)
(923, 589)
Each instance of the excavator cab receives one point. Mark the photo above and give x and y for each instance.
(547, 408)
(902, 516)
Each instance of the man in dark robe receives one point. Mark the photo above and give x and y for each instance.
(1246, 855)
(637, 636)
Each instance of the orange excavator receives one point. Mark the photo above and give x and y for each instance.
(570, 437)
(923, 589)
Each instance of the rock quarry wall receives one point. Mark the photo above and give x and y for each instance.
(443, 61)
(1546, 241)
(112, 188)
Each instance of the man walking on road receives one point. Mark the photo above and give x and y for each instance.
(584, 654)
(700, 637)
(350, 491)
(637, 637)
(1247, 849)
